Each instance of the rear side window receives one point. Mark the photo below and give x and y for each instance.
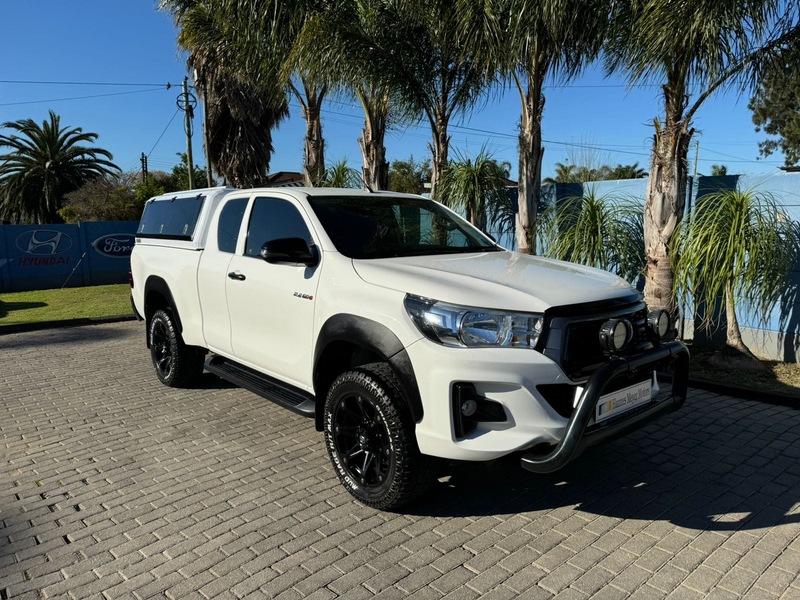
(230, 221)
(173, 219)
(273, 219)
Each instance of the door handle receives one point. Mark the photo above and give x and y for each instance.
(236, 276)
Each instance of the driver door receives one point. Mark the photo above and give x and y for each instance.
(271, 306)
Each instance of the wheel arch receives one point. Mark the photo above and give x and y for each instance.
(157, 295)
(347, 341)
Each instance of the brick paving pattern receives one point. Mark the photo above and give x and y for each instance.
(114, 486)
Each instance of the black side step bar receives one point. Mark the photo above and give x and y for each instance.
(281, 393)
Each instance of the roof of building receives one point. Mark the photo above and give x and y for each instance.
(284, 179)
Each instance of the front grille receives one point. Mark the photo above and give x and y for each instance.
(582, 352)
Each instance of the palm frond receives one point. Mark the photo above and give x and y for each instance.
(738, 238)
(604, 232)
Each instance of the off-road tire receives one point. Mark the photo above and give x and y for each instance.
(409, 473)
(185, 363)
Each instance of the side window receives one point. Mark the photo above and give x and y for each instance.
(230, 221)
(273, 219)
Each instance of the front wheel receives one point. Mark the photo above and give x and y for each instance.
(176, 364)
(369, 434)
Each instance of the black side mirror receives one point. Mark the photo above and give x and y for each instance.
(289, 251)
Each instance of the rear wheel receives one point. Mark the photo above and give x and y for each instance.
(369, 434)
(176, 364)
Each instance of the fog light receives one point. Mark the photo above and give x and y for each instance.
(469, 408)
(659, 322)
(615, 334)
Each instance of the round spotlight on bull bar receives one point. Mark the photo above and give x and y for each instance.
(615, 335)
(659, 322)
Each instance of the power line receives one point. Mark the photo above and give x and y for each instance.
(79, 97)
(177, 110)
(20, 81)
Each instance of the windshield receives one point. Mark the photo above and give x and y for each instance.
(386, 226)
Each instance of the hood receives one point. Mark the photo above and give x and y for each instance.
(499, 280)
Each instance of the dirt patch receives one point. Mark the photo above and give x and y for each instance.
(732, 368)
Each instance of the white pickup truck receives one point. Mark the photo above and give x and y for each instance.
(406, 333)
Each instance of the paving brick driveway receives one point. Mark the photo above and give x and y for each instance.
(112, 484)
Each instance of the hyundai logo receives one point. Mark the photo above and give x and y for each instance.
(114, 245)
(44, 241)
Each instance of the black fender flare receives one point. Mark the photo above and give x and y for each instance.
(155, 283)
(376, 338)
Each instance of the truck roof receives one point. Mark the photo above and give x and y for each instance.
(189, 228)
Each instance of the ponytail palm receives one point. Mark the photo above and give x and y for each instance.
(341, 175)
(741, 244)
(599, 231)
(46, 162)
(477, 187)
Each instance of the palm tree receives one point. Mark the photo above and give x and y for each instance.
(476, 187)
(738, 243)
(719, 170)
(691, 48)
(252, 41)
(627, 172)
(599, 231)
(564, 174)
(241, 116)
(46, 162)
(340, 175)
(528, 41)
(323, 45)
(418, 60)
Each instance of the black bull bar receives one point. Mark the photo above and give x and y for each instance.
(576, 440)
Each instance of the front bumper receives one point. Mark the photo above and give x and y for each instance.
(576, 439)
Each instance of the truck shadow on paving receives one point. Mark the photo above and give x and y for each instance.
(694, 477)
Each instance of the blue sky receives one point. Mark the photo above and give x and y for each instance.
(102, 41)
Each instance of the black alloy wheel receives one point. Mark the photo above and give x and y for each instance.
(162, 350)
(361, 440)
(369, 434)
(176, 364)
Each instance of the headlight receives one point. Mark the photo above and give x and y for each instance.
(473, 327)
(615, 334)
(659, 322)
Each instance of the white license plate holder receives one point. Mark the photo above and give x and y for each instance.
(619, 402)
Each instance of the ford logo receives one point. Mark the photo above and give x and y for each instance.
(114, 245)
(44, 241)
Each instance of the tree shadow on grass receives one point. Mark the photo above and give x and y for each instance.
(7, 308)
(719, 464)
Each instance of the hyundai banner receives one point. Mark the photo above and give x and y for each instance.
(51, 256)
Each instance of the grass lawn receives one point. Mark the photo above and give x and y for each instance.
(69, 303)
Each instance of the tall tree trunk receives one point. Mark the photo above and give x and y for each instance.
(440, 149)
(666, 200)
(376, 168)
(314, 151)
(314, 155)
(734, 334)
(530, 160)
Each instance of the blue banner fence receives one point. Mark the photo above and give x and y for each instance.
(38, 257)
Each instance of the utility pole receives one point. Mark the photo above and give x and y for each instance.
(187, 109)
(209, 176)
(144, 168)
